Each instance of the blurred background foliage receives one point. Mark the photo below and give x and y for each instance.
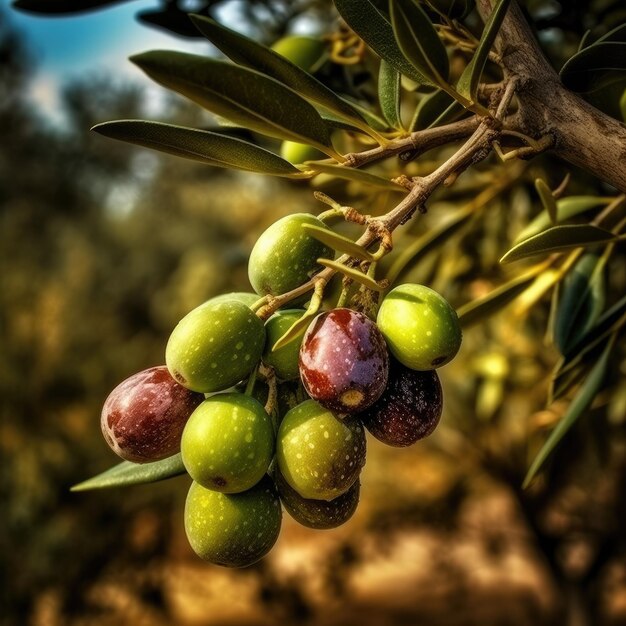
(103, 248)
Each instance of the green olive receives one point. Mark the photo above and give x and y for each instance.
(228, 443)
(319, 455)
(285, 359)
(215, 346)
(285, 256)
(234, 530)
(295, 152)
(240, 296)
(305, 52)
(422, 330)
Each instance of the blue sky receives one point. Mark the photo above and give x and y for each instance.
(97, 42)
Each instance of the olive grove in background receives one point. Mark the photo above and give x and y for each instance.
(108, 246)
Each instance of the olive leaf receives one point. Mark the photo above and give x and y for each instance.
(559, 238)
(566, 208)
(494, 301)
(389, 94)
(547, 199)
(578, 406)
(588, 68)
(338, 242)
(296, 329)
(241, 95)
(127, 473)
(581, 301)
(354, 274)
(245, 51)
(436, 108)
(374, 27)
(467, 85)
(200, 145)
(349, 173)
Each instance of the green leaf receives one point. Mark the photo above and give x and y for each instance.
(547, 199)
(353, 274)
(583, 71)
(127, 473)
(349, 173)
(579, 405)
(436, 108)
(239, 94)
(566, 208)
(295, 330)
(389, 94)
(470, 78)
(559, 238)
(245, 51)
(581, 301)
(200, 145)
(374, 27)
(484, 307)
(418, 40)
(338, 242)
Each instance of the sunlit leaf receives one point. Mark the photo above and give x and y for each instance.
(374, 27)
(200, 145)
(418, 40)
(580, 404)
(353, 274)
(389, 94)
(547, 199)
(245, 51)
(470, 78)
(349, 173)
(295, 330)
(338, 242)
(242, 95)
(566, 208)
(559, 238)
(127, 473)
(484, 307)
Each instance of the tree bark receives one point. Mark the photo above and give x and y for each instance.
(583, 135)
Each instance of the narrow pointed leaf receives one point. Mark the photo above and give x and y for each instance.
(586, 69)
(547, 199)
(245, 51)
(349, 173)
(559, 238)
(338, 242)
(580, 404)
(389, 94)
(127, 473)
(418, 40)
(470, 78)
(436, 108)
(484, 307)
(200, 145)
(354, 274)
(295, 330)
(374, 27)
(241, 95)
(566, 208)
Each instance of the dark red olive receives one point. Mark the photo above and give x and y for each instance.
(343, 361)
(144, 416)
(408, 410)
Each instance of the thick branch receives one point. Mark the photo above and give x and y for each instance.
(582, 135)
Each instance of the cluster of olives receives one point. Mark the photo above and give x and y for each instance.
(343, 374)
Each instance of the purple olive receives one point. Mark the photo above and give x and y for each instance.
(408, 410)
(144, 416)
(343, 361)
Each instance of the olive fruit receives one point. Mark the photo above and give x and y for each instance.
(285, 359)
(408, 410)
(295, 152)
(228, 443)
(144, 416)
(343, 361)
(215, 346)
(319, 455)
(234, 530)
(305, 52)
(421, 328)
(285, 256)
(318, 514)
